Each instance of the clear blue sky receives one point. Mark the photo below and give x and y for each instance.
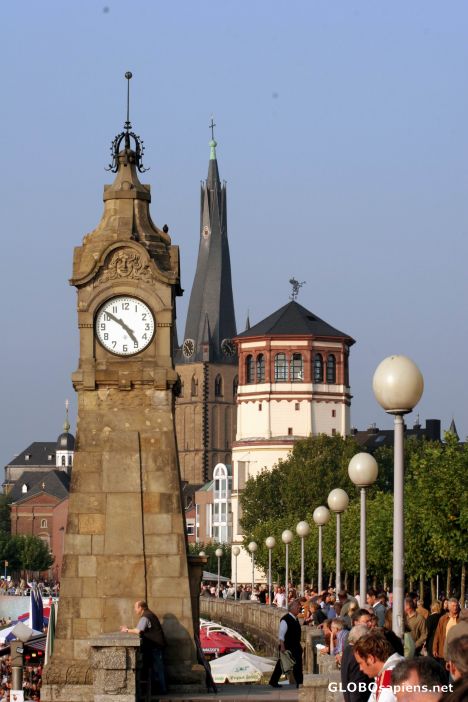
(342, 132)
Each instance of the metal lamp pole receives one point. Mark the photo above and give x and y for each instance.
(338, 501)
(270, 543)
(252, 548)
(235, 552)
(398, 386)
(218, 553)
(321, 516)
(302, 530)
(363, 471)
(286, 537)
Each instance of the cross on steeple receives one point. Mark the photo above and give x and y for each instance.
(212, 125)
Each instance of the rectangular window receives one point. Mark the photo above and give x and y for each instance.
(260, 407)
(190, 529)
(297, 406)
(290, 431)
(333, 413)
(333, 432)
(241, 474)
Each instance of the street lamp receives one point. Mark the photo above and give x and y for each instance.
(218, 553)
(202, 553)
(398, 385)
(363, 471)
(270, 542)
(321, 516)
(302, 530)
(235, 552)
(252, 548)
(286, 537)
(338, 501)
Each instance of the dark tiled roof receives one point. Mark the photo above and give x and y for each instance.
(54, 482)
(291, 320)
(373, 437)
(211, 296)
(38, 453)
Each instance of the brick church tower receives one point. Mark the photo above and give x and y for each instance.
(207, 359)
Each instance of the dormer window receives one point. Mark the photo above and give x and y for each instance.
(49, 457)
(27, 456)
(24, 488)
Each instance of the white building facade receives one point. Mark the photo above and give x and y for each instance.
(293, 383)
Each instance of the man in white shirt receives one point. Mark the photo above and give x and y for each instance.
(375, 658)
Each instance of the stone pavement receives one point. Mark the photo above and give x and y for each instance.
(239, 693)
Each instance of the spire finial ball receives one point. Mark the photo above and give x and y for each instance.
(128, 75)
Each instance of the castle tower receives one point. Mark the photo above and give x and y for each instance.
(207, 360)
(293, 383)
(125, 537)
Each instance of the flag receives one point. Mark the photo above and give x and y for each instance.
(50, 634)
(36, 613)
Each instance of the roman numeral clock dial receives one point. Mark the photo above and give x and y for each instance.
(124, 325)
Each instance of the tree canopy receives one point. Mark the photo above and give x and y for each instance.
(436, 509)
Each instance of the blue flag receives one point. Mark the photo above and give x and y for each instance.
(37, 613)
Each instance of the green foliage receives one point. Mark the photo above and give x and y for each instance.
(436, 508)
(25, 553)
(212, 565)
(5, 522)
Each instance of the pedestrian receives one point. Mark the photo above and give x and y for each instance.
(375, 658)
(289, 639)
(375, 601)
(416, 624)
(461, 628)
(446, 622)
(431, 624)
(359, 690)
(153, 643)
(421, 679)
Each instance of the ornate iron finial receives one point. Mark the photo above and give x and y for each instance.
(212, 125)
(296, 286)
(125, 137)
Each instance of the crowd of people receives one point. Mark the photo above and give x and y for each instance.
(32, 677)
(8, 586)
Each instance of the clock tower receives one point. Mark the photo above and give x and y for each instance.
(125, 539)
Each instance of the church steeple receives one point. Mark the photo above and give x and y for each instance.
(211, 298)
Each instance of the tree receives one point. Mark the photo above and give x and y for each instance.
(5, 521)
(28, 553)
(212, 565)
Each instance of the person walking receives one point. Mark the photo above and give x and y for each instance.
(289, 637)
(153, 642)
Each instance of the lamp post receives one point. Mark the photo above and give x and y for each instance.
(270, 543)
(398, 385)
(363, 471)
(321, 516)
(252, 548)
(235, 552)
(338, 501)
(286, 537)
(302, 530)
(218, 553)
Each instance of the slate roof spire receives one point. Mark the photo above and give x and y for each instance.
(211, 297)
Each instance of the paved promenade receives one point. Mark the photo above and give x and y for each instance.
(240, 693)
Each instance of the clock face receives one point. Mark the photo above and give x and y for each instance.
(188, 348)
(124, 325)
(228, 347)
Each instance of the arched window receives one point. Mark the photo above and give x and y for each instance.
(194, 388)
(249, 369)
(235, 385)
(181, 391)
(318, 368)
(331, 369)
(43, 523)
(63, 461)
(281, 367)
(260, 368)
(296, 368)
(218, 386)
(24, 488)
(69, 460)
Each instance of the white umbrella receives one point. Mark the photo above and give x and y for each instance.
(239, 667)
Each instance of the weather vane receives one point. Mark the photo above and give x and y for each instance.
(212, 125)
(296, 286)
(135, 156)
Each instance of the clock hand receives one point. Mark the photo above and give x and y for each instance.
(129, 331)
